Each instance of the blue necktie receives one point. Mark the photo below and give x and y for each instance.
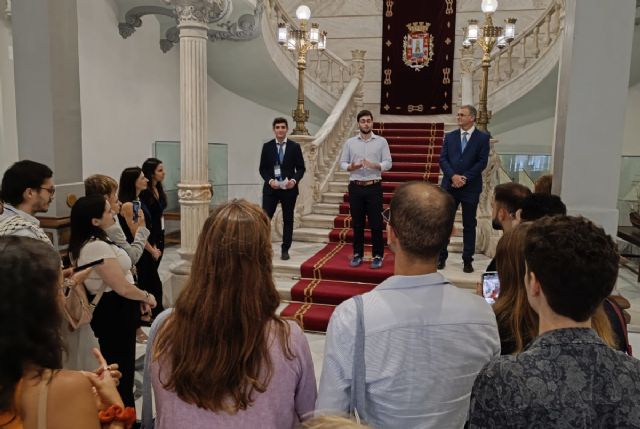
(464, 141)
(280, 152)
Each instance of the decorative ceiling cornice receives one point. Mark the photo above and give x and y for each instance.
(247, 26)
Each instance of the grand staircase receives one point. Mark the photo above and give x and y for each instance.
(326, 279)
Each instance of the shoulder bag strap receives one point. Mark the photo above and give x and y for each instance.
(359, 369)
(43, 395)
(623, 324)
(147, 394)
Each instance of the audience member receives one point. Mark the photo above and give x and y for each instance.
(27, 189)
(34, 391)
(517, 322)
(567, 377)
(222, 357)
(106, 186)
(536, 206)
(543, 184)
(115, 318)
(132, 183)
(425, 339)
(507, 198)
(155, 200)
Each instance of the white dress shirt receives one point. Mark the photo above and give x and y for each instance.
(356, 149)
(425, 342)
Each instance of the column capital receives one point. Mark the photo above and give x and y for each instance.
(201, 11)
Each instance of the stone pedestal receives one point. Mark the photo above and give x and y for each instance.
(466, 76)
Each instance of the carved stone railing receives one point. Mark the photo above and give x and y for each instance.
(516, 69)
(486, 237)
(321, 151)
(323, 66)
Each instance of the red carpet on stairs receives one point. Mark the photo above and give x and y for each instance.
(327, 279)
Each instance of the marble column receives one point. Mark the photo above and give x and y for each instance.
(466, 76)
(194, 190)
(590, 108)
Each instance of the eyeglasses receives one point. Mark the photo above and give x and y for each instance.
(461, 115)
(51, 190)
(386, 215)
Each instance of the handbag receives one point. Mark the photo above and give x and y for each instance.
(77, 309)
(357, 404)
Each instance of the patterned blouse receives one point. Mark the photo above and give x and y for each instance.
(566, 378)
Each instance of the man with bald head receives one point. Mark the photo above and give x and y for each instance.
(425, 339)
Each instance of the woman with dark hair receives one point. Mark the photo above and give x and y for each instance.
(34, 391)
(517, 322)
(223, 357)
(116, 316)
(132, 183)
(155, 200)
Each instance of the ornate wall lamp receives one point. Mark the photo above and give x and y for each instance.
(488, 36)
(301, 40)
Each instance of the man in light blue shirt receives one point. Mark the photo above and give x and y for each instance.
(365, 157)
(425, 339)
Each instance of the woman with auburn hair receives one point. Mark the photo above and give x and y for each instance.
(222, 356)
(517, 322)
(34, 391)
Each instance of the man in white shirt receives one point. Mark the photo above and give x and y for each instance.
(425, 339)
(365, 157)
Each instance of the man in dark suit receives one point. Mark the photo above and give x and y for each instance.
(281, 168)
(464, 156)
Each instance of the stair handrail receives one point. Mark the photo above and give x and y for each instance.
(515, 65)
(321, 152)
(322, 65)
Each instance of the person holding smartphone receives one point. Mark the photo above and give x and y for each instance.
(117, 314)
(132, 183)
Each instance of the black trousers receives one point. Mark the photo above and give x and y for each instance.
(366, 202)
(287, 198)
(469, 222)
(149, 279)
(114, 323)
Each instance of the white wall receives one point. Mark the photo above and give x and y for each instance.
(531, 138)
(129, 90)
(8, 127)
(537, 136)
(631, 145)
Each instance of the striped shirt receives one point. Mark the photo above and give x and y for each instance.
(425, 342)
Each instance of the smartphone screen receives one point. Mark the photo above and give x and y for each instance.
(490, 286)
(136, 207)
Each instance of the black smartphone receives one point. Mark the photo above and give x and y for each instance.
(490, 286)
(136, 207)
(89, 265)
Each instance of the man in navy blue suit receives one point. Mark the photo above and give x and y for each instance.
(464, 156)
(281, 167)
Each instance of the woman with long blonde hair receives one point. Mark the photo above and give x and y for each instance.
(517, 322)
(222, 357)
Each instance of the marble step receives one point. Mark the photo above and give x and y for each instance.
(286, 278)
(326, 208)
(314, 220)
(341, 176)
(339, 186)
(321, 235)
(333, 197)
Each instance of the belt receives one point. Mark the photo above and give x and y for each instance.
(366, 182)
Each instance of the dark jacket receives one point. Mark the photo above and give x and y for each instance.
(470, 163)
(292, 165)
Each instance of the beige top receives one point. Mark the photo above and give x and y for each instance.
(99, 249)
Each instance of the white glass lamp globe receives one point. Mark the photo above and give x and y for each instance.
(303, 12)
(489, 6)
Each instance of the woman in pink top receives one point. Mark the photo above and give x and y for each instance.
(223, 358)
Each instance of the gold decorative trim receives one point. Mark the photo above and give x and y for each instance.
(389, 11)
(387, 76)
